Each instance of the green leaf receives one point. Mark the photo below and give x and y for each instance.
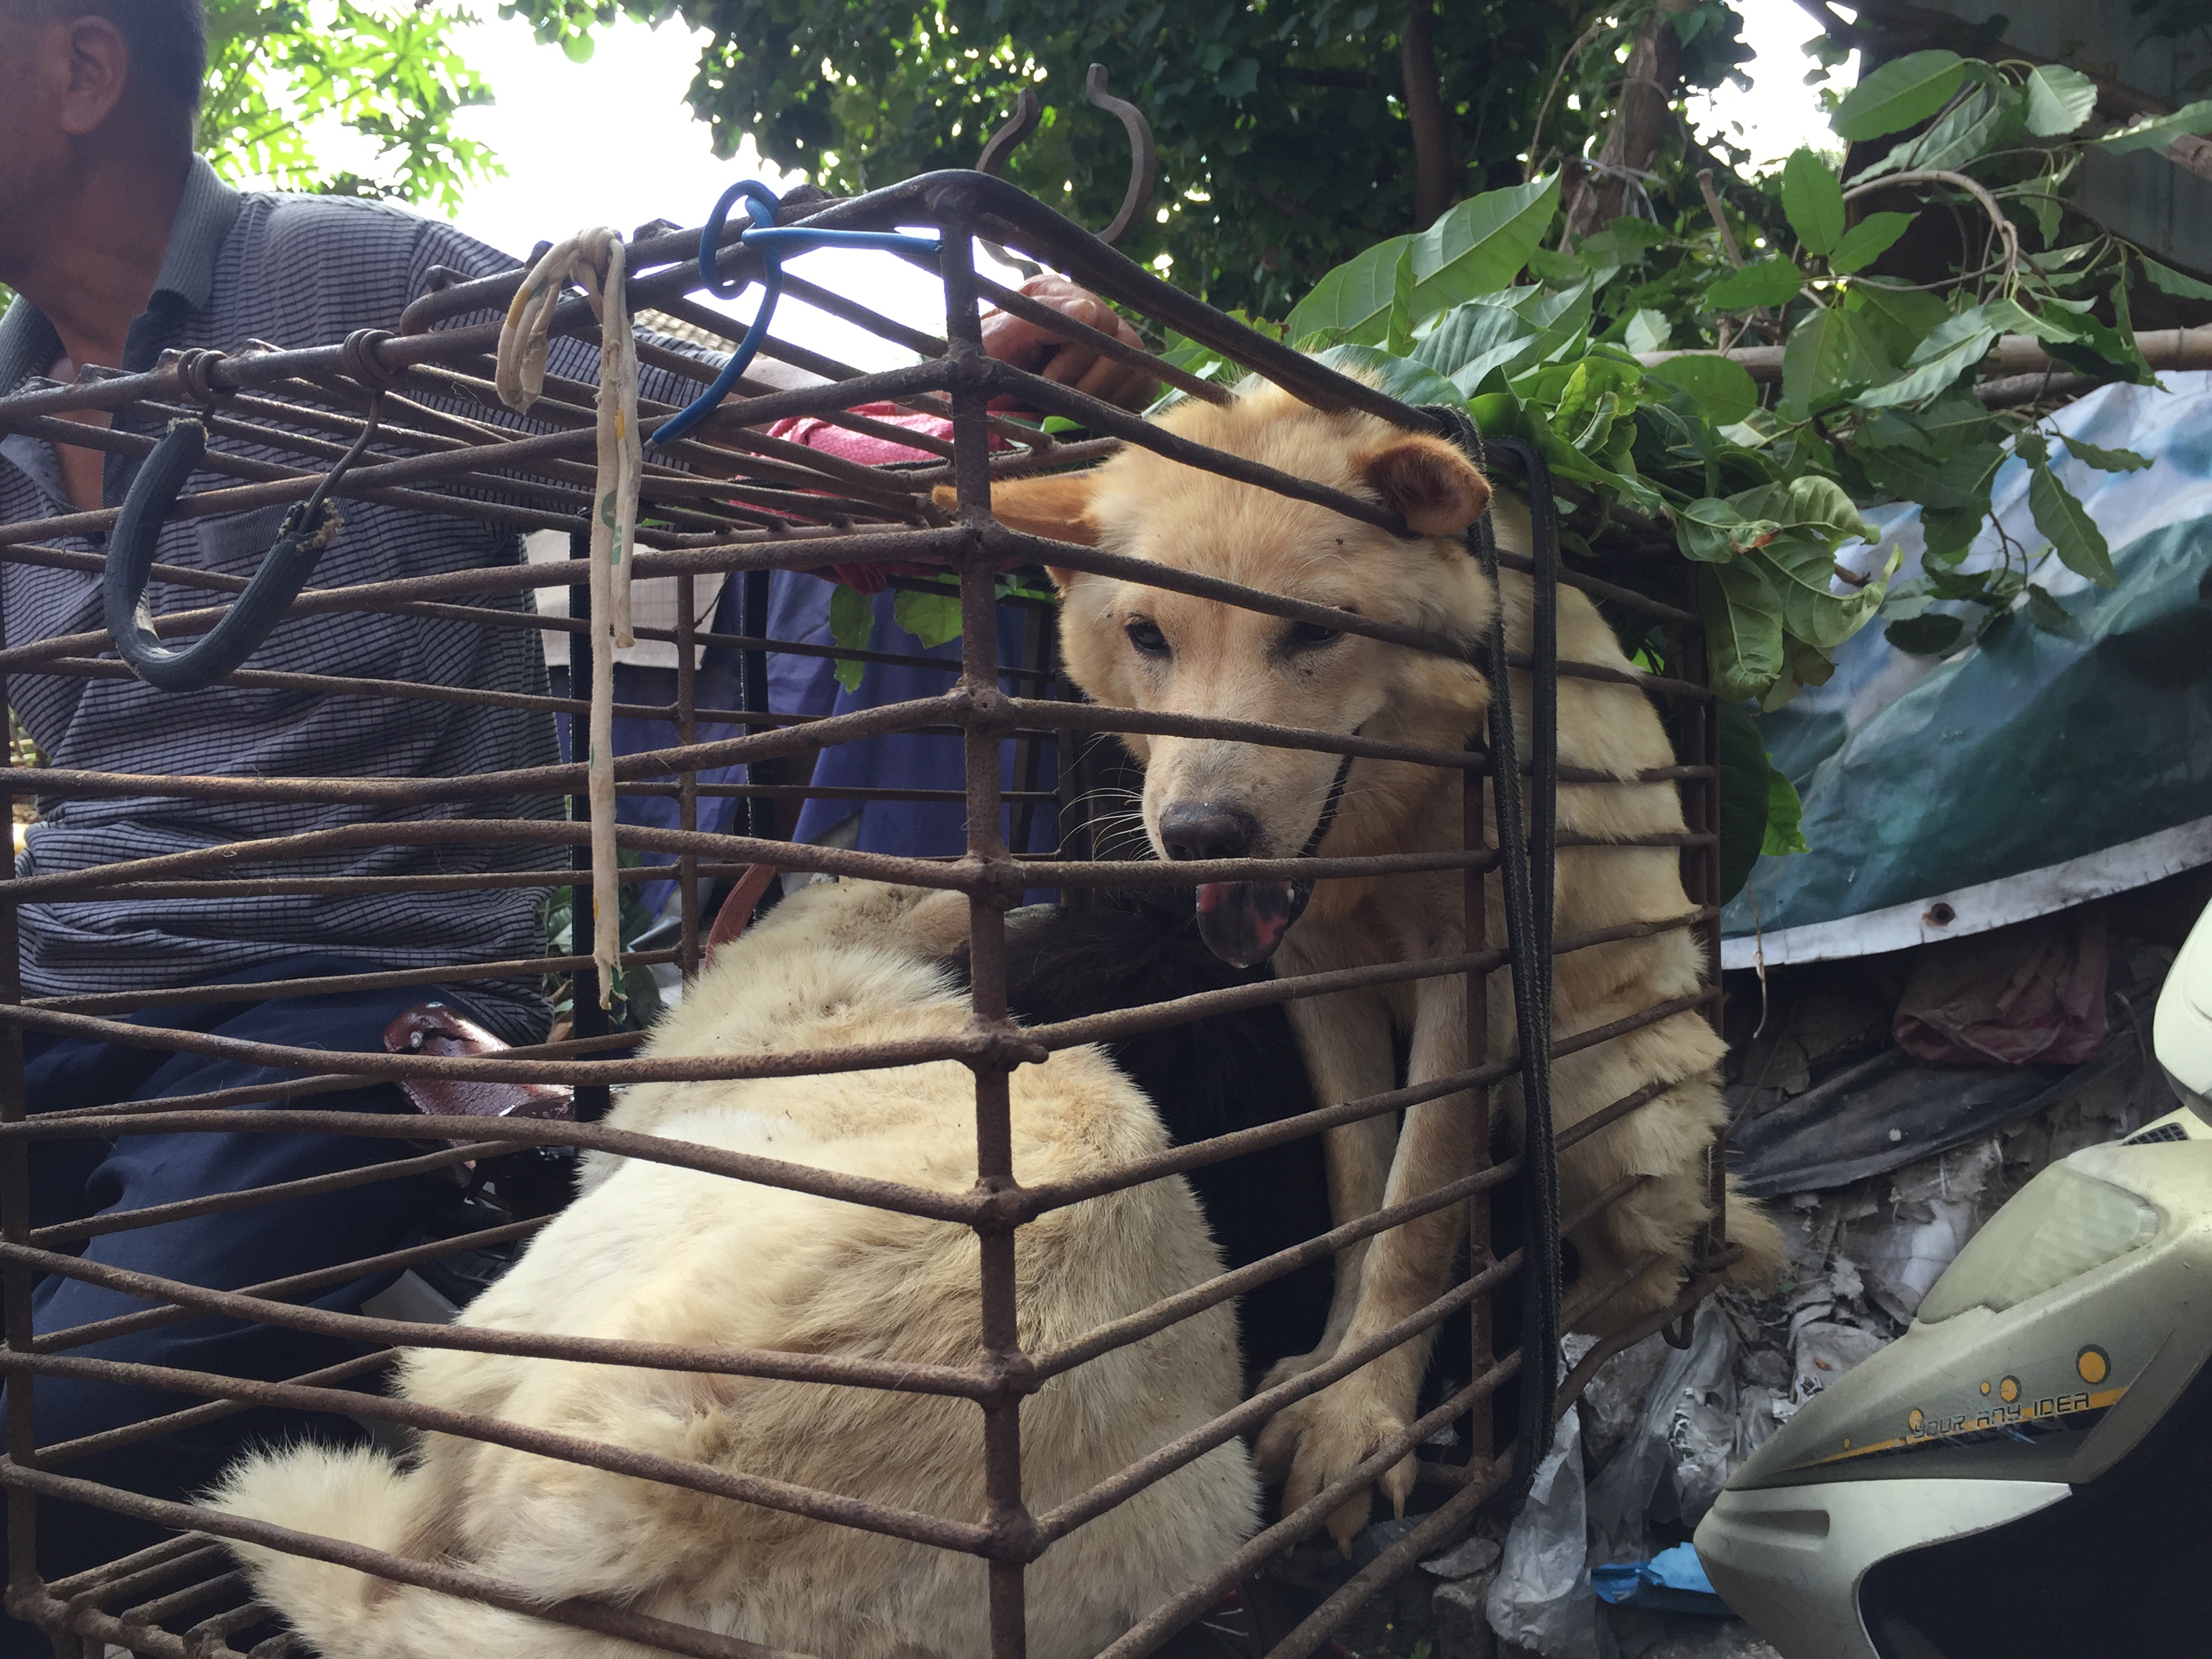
(1398, 333)
(1713, 531)
(1868, 240)
(1473, 341)
(1634, 234)
(933, 619)
(1768, 283)
(1986, 119)
(1406, 379)
(2159, 131)
(2104, 460)
(1722, 390)
(1948, 532)
(1929, 635)
(1980, 587)
(1817, 503)
(1744, 628)
(1481, 246)
(2058, 100)
(852, 619)
(579, 48)
(1647, 330)
(1351, 302)
(1591, 401)
(1808, 664)
(1813, 201)
(2048, 615)
(1831, 355)
(1907, 600)
(1901, 91)
(1955, 421)
(1948, 351)
(1801, 570)
(1785, 817)
(1959, 479)
(1746, 795)
(2168, 280)
(1901, 316)
(2073, 534)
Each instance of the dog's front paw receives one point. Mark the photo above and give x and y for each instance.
(1290, 1365)
(1323, 1438)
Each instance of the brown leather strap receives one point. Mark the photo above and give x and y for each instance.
(737, 909)
(436, 1027)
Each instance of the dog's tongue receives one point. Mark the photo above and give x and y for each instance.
(1243, 921)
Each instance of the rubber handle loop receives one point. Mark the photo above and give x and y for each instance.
(771, 242)
(283, 571)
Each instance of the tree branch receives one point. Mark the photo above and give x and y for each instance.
(1631, 139)
(2016, 357)
(1435, 170)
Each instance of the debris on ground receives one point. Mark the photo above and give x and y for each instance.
(1880, 1164)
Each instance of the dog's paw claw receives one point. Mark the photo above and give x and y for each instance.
(1323, 1439)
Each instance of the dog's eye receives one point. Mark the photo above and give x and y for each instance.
(1305, 636)
(1145, 635)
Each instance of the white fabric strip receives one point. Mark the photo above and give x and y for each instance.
(593, 259)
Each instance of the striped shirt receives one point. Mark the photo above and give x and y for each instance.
(297, 272)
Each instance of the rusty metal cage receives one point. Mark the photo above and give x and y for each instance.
(785, 508)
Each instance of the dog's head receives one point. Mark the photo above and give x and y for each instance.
(1136, 646)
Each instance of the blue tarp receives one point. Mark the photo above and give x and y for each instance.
(2029, 751)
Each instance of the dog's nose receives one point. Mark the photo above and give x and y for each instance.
(1206, 830)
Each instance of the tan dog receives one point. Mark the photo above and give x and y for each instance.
(660, 1254)
(1137, 646)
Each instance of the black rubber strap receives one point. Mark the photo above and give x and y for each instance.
(1526, 859)
(308, 528)
(1312, 848)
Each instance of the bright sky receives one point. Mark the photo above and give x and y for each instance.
(1779, 113)
(551, 127)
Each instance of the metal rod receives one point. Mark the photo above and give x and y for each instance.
(687, 798)
(17, 1282)
(1008, 1516)
(621, 1623)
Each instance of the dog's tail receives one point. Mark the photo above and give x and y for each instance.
(1765, 1254)
(355, 1496)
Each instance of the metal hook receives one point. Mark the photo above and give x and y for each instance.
(1144, 155)
(1008, 139)
(308, 528)
(996, 148)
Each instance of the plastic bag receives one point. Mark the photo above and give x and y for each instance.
(1541, 1599)
(1682, 1451)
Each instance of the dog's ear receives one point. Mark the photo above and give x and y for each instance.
(1058, 507)
(1435, 488)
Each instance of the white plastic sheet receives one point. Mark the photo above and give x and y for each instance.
(1541, 1599)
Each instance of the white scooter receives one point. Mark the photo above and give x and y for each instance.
(2027, 1472)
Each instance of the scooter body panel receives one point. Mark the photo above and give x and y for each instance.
(1790, 1559)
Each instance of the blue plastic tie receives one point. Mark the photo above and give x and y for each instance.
(772, 242)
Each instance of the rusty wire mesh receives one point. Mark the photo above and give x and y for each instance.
(747, 502)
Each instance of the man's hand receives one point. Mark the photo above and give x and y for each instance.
(1036, 348)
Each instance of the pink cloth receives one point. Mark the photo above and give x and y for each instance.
(2030, 993)
(868, 448)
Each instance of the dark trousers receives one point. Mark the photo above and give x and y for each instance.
(73, 1180)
